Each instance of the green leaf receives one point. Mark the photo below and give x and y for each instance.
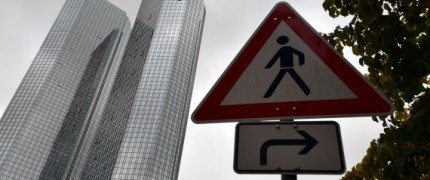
(355, 50)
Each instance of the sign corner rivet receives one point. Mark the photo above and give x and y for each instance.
(277, 109)
(294, 108)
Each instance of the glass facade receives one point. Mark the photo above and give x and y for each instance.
(63, 91)
(152, 144)
(101, 151)
(101, 101)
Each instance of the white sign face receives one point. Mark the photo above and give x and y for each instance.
(301, 74)
(289, 147)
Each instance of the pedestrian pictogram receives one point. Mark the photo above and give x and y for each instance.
(286, 70)
(285, 55)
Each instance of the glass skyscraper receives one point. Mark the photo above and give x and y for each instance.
(63, 91)
(103, 116)
(152, 142)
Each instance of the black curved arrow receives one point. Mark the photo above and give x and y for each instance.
(309, 143)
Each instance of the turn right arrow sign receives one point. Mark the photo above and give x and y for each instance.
(289, 147)
(309, 143)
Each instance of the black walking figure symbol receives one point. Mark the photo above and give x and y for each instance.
(285, 54)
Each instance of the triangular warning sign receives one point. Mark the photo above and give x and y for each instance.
(286, 71)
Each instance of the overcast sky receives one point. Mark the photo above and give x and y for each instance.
(208, 148)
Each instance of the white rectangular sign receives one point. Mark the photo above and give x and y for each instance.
(289, 148)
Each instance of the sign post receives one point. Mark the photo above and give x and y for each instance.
(288, 176)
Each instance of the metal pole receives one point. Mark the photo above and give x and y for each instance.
(288, 176)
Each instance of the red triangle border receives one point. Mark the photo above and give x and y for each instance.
(368, 102)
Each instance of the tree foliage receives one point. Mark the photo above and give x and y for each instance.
(392, 38)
